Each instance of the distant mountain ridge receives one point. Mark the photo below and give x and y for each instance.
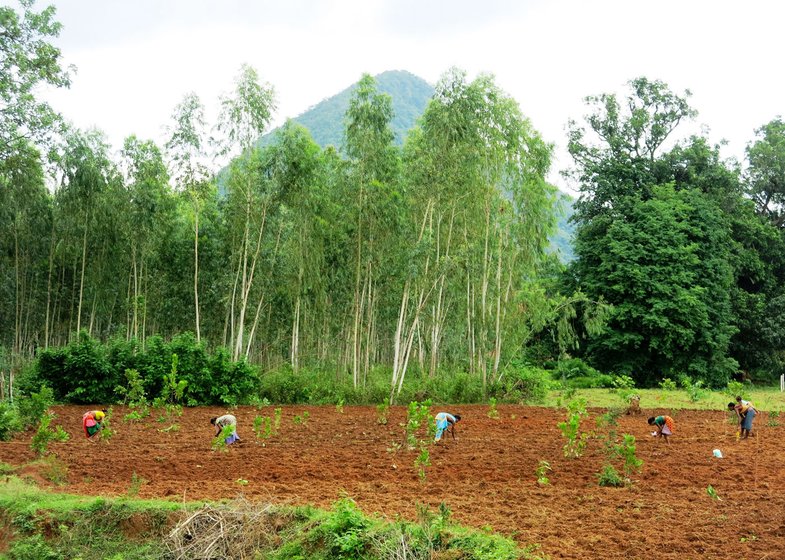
(325, 120)
(410, 95)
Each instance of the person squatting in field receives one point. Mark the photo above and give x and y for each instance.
(745, 412)
(446, 422)
(91, 422)
(664, 425)
(220, 422)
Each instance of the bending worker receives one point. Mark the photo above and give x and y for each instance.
(446, 421)
(221, 422)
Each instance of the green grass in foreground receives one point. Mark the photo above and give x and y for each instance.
(768, 399)
(48, 526)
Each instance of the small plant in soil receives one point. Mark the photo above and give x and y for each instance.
(46, 434)
(339, 406)
(542, 471)
(302, 419)
(492, 412)
(262, 427)
(570, 429)
(712, 493)
(774, 419)
(136, 484)
(382, 412)
(276, 420)
(134, 395)
(423, 460)
(609, 476)
(106, 432)
(219, 441)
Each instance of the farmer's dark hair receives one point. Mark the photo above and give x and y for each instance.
(103, 410)
(731, 405)
(738, 399)
(651, 420)
(457, 417)
(213, 419)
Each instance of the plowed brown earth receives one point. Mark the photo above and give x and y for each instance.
(487, 476)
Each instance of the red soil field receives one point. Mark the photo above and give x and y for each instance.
(486, 476)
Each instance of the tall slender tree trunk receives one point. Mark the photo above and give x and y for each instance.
(81, 277)
(196, 270)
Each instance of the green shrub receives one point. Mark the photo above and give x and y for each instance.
(609, 476)
(525, 383)
(10, 423)
(32, 408)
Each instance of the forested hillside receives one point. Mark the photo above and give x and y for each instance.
(325, 120)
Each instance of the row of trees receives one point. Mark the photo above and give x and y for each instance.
(425, 254)
(429, 255)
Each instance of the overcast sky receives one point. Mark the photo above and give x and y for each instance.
(136, 59)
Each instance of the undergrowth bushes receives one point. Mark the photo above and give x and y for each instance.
(43, 525)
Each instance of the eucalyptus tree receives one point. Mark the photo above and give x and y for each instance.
(148, 204)
(482, 209)
(187, 151)
(295, 167)
(87, 173)
(28, 60)
(373, 208)
(244, 116)
(25, 215)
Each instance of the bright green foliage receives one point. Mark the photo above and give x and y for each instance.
(10, 422)
(492, 412)
(655, 240)
(28, 62)
(219, 441)
(33, 408)
(712, 493)
(262, 427)
(570, 429)
(46, 434)
(543, 468)
(382, 411)
(766, 171)
(609, 476)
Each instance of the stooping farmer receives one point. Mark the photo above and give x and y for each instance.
(220, 422)
(91, 422)
(446, 421)
(664, 425)
(745, 412)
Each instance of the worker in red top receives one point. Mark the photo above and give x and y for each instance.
(91, 422)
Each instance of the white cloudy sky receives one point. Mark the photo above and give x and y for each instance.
(137, 58)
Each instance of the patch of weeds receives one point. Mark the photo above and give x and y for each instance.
(170, 429)
(774, 419)
(6, 469)
(668, 384)
(276, 420)
(609, 476)
(241, 482)
(302, 419)
(712, 493)
(339, 406)
(136, 484)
